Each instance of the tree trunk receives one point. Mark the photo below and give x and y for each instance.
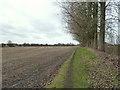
(92, 43)
(95, 46)
(95, 16)
(102, 27)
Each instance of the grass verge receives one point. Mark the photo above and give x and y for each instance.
(80, 70)
(88, 71)
(59, 80)
(97, 73)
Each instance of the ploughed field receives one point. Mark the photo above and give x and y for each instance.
(29, 67)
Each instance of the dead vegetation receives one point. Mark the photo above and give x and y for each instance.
(106, 73)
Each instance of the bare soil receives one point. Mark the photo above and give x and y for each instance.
(32, 67)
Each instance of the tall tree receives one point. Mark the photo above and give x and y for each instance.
(102, 26)
(95, 16)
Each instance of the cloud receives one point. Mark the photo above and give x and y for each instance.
(32, 21)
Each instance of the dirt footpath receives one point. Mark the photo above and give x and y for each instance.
(29, 67)
(68, 79)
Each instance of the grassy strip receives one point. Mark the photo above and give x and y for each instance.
(60, 79)
(88, 67)
(80, 73)
(80, 70)
(88, 71)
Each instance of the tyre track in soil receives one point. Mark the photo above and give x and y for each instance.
(18, 66)
(40, 69)
(15, 59)
(39, 75)
(68, 80)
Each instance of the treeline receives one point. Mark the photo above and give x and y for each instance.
(28, 44)
(91, 23)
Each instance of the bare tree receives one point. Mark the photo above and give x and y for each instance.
(87, 20)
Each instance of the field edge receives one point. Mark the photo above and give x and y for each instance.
(59, 80)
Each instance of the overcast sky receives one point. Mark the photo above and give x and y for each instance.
(32, 21)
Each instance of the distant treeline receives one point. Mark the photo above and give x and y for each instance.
(28, 44)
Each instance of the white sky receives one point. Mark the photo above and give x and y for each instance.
(32, 21)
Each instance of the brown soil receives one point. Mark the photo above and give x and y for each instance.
(32, 67)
